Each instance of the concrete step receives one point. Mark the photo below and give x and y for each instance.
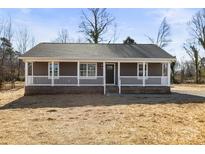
(112, 89)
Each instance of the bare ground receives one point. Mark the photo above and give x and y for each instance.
(97, 119)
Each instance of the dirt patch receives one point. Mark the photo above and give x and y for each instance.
(98, 119)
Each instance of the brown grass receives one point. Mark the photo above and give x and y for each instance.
(8, 85)
(97, 119)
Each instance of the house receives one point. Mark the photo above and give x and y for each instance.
(96, 68)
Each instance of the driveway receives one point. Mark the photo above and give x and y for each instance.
(196, 90)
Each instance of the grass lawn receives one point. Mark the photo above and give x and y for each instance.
(98, 119)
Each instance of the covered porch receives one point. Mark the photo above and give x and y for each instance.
(94, 74)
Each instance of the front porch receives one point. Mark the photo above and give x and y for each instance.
(97, 75)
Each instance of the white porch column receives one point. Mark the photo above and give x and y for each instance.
(104, 78)
(78, 73)
(119, 79)
(32, 71)
(26, 73)
(52, 79)
(168, 73)
(143, 74)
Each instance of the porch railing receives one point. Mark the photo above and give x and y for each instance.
(95, 81)
(64, 81)
(148, 81)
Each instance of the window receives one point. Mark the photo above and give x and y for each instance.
(56, 69)
(140, 69)
(88, 70)
(164, 69)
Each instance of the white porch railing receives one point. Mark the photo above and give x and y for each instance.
(91, 81)
(39, 80)
(96, 81)
(64, 81)
(149, 81)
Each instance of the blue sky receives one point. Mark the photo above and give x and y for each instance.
(45, 23)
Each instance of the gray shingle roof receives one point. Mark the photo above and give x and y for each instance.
(96, 51)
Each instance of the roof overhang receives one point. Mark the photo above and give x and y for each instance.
(31, 59)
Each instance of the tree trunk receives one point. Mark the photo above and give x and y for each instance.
(197, 72)
(182, 76)
(19, 69)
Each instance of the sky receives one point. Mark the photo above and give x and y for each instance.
(44, 24)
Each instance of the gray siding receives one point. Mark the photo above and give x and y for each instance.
(128, 69)
(68, 68)
(100, 69)
(154, 69)
(40, 68)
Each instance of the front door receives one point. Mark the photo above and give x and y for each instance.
(110, 71)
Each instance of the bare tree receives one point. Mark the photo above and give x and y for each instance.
(162, 39)
(8, 61)
(115, 37)
(197, 25)
(12, 57)
(1, 27)
(5, 44)
(8, 30)
(115, 34)
(33, 41)
(63, 36)
(95, 24)
(174, 66)
(24, 40)
(80, 40)
(182, 71)
(193, 52)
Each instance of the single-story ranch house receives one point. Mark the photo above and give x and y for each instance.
(96, 68)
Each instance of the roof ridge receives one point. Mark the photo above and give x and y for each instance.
(98, 43)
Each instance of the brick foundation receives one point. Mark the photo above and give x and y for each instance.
(145, 90)
(33, 90)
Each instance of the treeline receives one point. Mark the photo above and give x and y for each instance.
(12, 45)
(193, 70)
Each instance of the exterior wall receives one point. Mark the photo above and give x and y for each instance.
(65, 68)
(128, 69)
(36, 90)
(40, 68)
(155, 69)
(100, 69)
(68, 68)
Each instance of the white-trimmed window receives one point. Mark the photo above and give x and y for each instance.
(88, 70)
(164, 69)
(140, 69)
(56, 70)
